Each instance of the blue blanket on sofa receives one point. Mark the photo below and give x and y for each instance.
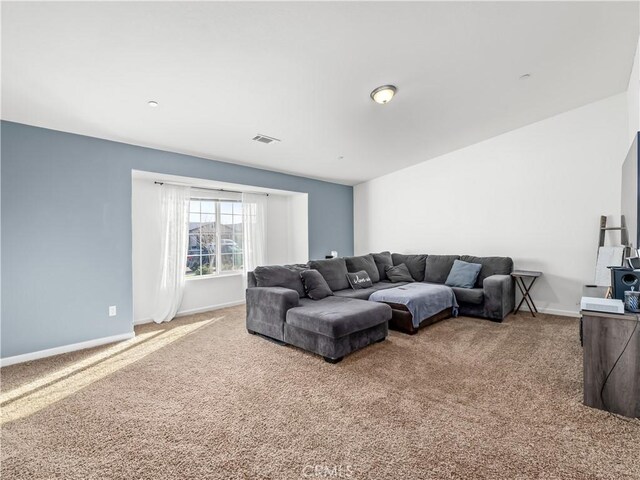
(421, 299)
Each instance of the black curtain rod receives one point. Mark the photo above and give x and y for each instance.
(212, 189)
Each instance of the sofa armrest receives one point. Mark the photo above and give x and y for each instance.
(499, 296)
(267, 309)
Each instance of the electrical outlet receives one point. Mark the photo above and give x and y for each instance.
(112, 311)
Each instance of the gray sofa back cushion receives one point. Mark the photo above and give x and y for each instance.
(334, 271)
(437, 267)
(363, 262)
(490, 266)
(280, 276)
(415, 264)
(382, 260)
(315, 285)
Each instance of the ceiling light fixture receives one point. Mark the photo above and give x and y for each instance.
(383, 94)
(152, 103)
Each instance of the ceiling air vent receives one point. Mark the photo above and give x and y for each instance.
(264, 139)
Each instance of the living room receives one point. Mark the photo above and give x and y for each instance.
(173, 172)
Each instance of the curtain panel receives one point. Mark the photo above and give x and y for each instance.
(174, 243)
(254, 221)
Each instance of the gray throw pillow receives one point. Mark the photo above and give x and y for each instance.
(280, 276)
(382, 260)
(437, 267)
(463, 274)
(363, 262)
(399, 273)
(315, 285)
(334, 271)
(359, 280)
(415, 264)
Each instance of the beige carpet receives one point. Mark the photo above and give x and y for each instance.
(200, 398)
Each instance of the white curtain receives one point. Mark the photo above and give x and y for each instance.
(254, 221)
(174, 204)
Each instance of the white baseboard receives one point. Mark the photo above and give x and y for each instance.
(191, 311)
(553, 311)
(50, 352)
(184, 313)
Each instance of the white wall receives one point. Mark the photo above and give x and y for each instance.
(299, 222)
(633, 96)
(277, 229)
(534, 194)
(287, 229)
(287, 242)
(145, 222)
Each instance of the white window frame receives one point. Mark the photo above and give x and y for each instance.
(218, 254)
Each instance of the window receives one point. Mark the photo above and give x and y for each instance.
(215, 237)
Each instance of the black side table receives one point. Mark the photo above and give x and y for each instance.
(520, 276)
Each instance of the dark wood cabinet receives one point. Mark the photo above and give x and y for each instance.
(604, 339)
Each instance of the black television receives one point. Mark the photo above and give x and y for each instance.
(630, 192)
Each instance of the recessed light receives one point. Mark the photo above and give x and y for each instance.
(526, 76)
(152, 103)
(383, 94)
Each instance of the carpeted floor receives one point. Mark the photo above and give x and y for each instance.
(200, 398)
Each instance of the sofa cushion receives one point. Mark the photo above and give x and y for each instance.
(359, 280)
(364, 262)
(437, 267)
(490, 266)
(382, 260)
(399, 273)
(463, 274)
(336, 317)
(415, 264)
(334, 271)
(362, 294)
(306, 301)
(280, 276)
(315, 285)
(365, 293)
(469, 295)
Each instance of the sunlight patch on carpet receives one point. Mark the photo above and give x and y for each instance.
(32, 397)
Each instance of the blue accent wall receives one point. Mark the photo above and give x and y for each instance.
(66, 230)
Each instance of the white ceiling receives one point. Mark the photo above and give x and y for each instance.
(302, 72)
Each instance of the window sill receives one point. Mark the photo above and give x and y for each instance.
(218, 275)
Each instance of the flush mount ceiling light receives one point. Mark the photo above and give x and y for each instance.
(383, 94)
(152, 103)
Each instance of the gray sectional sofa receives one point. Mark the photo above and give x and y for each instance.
(278, 306)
